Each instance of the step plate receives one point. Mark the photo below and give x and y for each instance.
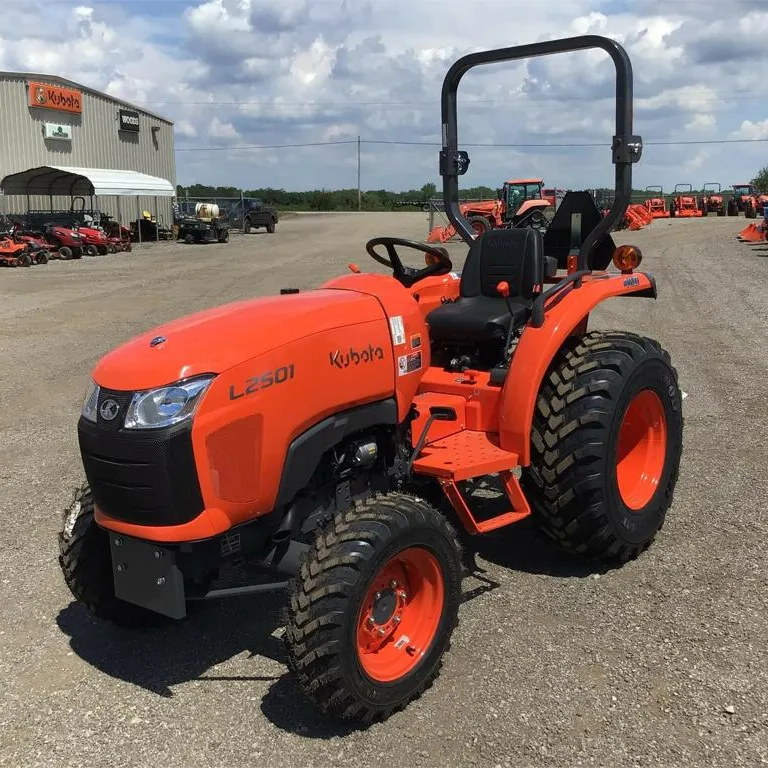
(463, 455)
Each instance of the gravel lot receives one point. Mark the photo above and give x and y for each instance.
(660, 663)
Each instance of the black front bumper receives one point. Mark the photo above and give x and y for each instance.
(143, 477)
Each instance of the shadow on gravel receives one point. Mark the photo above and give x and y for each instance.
(181, 651)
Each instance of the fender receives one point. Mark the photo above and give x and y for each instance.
(565, 312)
(530, 205)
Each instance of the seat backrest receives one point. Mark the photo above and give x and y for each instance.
(514, 255)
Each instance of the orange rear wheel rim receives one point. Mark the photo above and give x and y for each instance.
(478, 227)
(642, 449)
(400, 614)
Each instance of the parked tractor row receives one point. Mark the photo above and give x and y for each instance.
(684, 203)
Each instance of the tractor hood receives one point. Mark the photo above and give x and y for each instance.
(214, 340)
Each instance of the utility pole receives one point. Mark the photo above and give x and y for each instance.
(359, 191)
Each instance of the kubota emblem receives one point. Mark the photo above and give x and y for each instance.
(40, 97)
(109, 410)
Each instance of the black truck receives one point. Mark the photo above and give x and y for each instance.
(252, 214)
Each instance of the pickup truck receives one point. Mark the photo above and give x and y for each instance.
(255, 216)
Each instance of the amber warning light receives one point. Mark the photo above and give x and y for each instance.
(627, 257)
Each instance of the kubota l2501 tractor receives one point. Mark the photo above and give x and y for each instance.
(329, 435)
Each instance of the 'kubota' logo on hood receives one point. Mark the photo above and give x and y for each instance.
(355, 357)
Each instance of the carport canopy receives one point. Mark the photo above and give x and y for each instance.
(85, 182)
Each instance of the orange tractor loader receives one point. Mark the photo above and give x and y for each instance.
(519, 203)
(657, 206)
(328, 446)
(713, 199)
(685, 206)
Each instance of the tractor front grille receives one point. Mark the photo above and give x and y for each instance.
(144, 477)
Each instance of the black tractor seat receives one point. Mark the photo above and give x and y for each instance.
(481, 313)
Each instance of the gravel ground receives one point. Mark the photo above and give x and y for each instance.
(660, 663)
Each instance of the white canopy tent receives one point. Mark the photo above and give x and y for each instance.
(59, 180)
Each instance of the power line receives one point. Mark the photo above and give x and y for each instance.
(567, 145)
(524, 98)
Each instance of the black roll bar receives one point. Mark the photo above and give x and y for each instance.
(626, 149)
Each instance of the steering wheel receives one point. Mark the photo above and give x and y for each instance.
(438, 261)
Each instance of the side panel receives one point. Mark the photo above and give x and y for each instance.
(408, 331)
(254, 411)
(538, 347)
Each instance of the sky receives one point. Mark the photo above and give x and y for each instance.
(240, 76)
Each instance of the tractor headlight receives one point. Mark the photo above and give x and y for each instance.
(91, 401)
(166, 406)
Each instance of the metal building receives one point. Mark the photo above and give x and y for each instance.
(50, 121)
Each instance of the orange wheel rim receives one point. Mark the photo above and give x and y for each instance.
(478, 227)
(400, 614)
(642, 449)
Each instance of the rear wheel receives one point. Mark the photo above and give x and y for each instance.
(606, 445)
(479, 224)
(42, 257)
(374, 607)
(24, 260)
(85, 561)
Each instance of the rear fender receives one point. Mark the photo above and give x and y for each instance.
(566, 313)
(530, 205)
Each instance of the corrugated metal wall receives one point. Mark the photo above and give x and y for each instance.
(96, 143)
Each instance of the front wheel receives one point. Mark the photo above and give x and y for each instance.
(373, 609)
(85, 562)
(271, 226)
(606, 445)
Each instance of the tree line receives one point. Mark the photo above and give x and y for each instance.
(378, 199)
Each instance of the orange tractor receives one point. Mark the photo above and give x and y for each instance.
(519, 203)
(685, 206)
(712, 201)
(746, 198)
(331, 444)
(657, 206)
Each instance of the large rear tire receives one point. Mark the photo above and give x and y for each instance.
(85, 561)
(373, 609)
(606, 445)
(479, 225)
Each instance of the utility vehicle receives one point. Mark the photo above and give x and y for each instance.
(328, 435)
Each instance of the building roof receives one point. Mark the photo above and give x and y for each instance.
(63, 81)
(84, 182)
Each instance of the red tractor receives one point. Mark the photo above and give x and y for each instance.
(332, 439)
(713, 199)
(657, 206)
(685, 206)
(746, 198)
(519, 203)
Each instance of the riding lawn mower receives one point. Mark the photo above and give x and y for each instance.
(327, 437)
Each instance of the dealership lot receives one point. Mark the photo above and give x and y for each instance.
(662, 662)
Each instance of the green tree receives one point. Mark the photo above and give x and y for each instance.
(761, 180)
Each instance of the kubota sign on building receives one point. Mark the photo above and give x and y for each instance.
(55, 97)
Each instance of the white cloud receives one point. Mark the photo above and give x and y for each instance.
(752, 131)
(250, 72)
